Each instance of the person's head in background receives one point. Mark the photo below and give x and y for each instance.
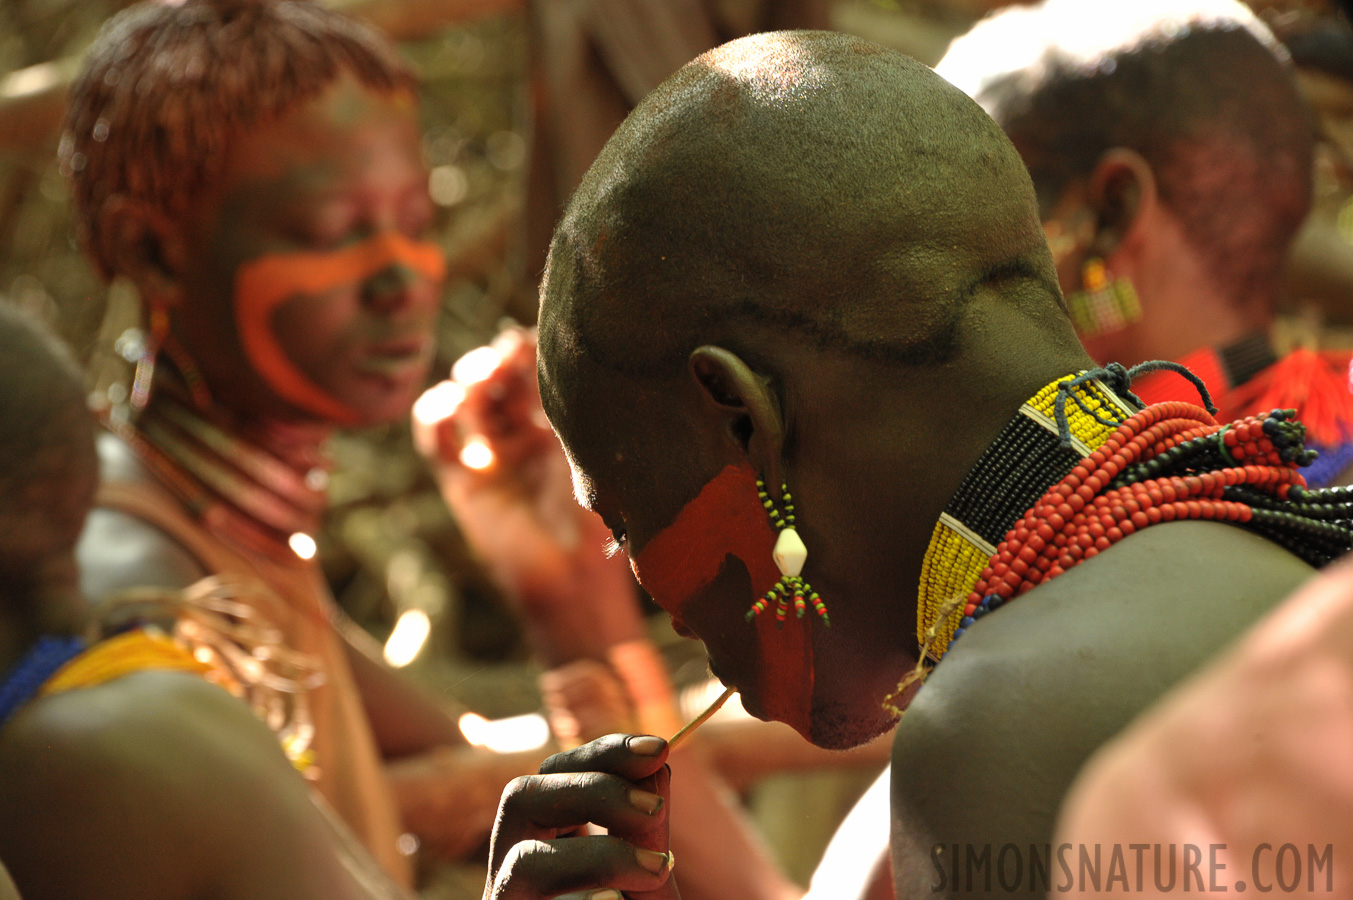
(48, 474)
(253, 167)
(1170, 151)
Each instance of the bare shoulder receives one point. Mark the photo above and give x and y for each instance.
(118, 771)
(1239, 755)
(992, 743)
(119, 551)
(160, 779)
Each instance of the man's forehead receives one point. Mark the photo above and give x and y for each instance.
(584, 489)
(566, 403)
(557, 379)
(587, 455)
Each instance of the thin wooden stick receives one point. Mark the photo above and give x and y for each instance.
(700, 719)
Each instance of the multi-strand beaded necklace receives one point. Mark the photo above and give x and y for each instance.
(1011, 474)
(1079, 469)
(239, 492)
(25, 677)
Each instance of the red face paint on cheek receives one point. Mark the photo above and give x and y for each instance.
(688, 569)
(265, 283)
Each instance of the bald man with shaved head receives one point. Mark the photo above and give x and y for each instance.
(802, 300)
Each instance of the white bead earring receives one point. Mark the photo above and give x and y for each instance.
(789, 554)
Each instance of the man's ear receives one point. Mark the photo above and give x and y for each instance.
(750, 406)
(142, 243)
(1122, 189)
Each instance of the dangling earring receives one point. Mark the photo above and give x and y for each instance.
(789, 555)
(192, 376)
(1104, 305)
(145, 363)
(160, 340)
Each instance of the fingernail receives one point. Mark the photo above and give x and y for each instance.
(646, 745)
(608, 894)
(645, 801)
(653, 861)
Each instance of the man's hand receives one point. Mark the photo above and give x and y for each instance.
(505, 477)
(541, 847)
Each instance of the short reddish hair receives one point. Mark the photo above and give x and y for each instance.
(167, 85)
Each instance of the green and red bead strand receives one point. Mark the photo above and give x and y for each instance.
(775, 518)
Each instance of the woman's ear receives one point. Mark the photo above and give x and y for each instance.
(1122, 189)
(142, 243)
(748, 404)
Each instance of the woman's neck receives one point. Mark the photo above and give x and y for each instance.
(1184, 305)
(296, 442)
(299, 444)
(268, 476)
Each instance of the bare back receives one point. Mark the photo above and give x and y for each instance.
(103, 812)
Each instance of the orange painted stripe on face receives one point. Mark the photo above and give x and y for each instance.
(265, 283)
(726, 519)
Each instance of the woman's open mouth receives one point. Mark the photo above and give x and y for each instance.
(396, 359)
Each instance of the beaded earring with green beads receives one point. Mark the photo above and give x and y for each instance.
(789, 555)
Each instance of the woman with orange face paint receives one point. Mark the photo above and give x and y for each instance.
(269, 201)
(264, 287)
(279, 247)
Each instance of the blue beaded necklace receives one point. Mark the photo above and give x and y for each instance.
(29, 674)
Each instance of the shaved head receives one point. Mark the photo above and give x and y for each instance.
(808, 260)
(48, 468)
(802, 181)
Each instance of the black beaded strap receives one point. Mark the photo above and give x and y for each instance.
(1009, 477)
